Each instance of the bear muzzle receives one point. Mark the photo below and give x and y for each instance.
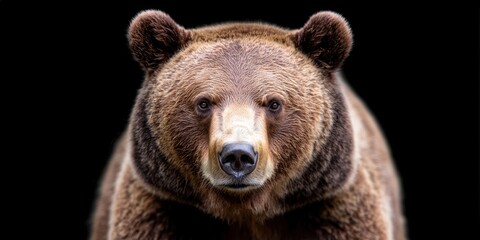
(238, 158)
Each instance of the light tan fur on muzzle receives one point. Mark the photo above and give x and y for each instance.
(238, 123)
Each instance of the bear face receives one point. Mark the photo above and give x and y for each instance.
(241, 120)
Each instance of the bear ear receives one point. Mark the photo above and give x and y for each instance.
(326, 38)
(154, 37)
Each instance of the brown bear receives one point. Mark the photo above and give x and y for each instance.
(247, 131)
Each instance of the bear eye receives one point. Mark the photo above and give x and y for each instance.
(203, 105)
(274, 106)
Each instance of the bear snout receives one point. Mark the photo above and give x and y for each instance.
(238, 159)
(238, 156)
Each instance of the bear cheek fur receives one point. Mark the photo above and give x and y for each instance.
(305, 124)
(151, 163)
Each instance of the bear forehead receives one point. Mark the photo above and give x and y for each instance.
(241, 54)
(247, 63)
(243, 45)
(239, 58)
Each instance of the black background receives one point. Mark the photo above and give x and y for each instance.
(69, 83)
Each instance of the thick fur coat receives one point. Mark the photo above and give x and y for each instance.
(310, 161)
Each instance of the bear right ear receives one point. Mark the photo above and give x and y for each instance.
(154, 37)
(326, 38)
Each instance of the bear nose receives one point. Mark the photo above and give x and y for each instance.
(238, 159)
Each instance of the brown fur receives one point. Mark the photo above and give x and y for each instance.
(102, 213)
(324, 170)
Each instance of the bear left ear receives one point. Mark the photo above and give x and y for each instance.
(326, 38)
(154, 37)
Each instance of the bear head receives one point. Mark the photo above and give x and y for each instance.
(241, 120)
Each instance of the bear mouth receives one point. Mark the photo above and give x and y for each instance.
(239, 186)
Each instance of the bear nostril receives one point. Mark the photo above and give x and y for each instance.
(238, 159)
(247, 159)
(237, 165)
